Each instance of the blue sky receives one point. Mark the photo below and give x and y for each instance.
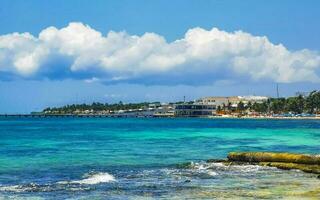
(50, 81)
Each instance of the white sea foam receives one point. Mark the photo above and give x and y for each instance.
(19, 188)
(32, 187)
(212, 173)
(214, 169)
(202, 168)
(12, 188)
(93, 179)
(231, 167)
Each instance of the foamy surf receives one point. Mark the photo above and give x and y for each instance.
(92, 179)
(217, 166)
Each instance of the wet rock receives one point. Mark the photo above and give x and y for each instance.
(216, 161)
(286, 161)
(274, 157)
(315, 169)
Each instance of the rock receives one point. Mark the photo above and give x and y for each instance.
(286, 161)
(274, 157)
(315, 169)
(216, 160)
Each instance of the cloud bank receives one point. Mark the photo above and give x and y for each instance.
(201, 57)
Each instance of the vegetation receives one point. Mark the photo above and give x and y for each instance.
(96, 107)
(296, 105)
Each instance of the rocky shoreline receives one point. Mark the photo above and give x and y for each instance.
(286, 161)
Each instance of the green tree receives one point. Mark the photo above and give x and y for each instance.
(241, 106)
(278, 105)
(260, 107)
(249, 105)
(219, 108)
(313, 102)
(224, 107)
(296, 104)
(229, 106)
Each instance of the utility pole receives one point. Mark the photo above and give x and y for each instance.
(278, 91)
(184, 99)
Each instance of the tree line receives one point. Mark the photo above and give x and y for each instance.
(95, 106)
(296, 105)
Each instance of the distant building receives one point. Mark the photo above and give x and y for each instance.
(233, 100)
(220, 101)
(153, 106)
(253, 99)
(209, 106)
(194, 110)
(165, 110)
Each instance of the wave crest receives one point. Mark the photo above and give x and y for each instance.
(92, 179)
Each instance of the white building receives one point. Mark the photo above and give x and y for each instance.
(233, 100)
(253, 99)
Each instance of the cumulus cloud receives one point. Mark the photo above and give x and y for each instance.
(200, 57)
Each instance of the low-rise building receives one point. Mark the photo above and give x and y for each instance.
(209, 106)
(153, 106)
(233, 100)
(220, 101)
(165, 110)
(194, 110)
(253, 99)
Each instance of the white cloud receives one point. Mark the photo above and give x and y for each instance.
(200, 57)
(92, 80)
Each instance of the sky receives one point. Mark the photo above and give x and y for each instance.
(59, 52)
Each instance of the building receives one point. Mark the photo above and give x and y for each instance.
(253, 99)
(194, 110)
(233, 100)
(220, 101)
(208, 106)
(165, 110)
(153, 106)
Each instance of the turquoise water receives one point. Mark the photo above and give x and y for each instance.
(131, 158)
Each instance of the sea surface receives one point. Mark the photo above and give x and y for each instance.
(138, 158)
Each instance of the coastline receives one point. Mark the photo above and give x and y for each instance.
(154, 116)
(265, 117)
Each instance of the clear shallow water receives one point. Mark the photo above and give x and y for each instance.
(81, 158)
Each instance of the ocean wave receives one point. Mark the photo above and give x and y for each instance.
(33, 187)
(92, 179)
(189, 171)
(204, 170)
(208, 170)
(20, 188)
(88, 179)
(218, 166)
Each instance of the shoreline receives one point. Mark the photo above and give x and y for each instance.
(154, 116)
(264, 117)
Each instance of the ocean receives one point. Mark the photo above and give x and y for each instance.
(148, 158)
